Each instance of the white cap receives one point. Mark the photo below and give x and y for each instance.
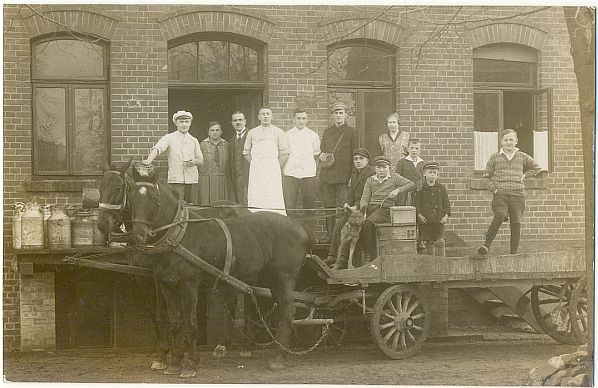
(181, 113)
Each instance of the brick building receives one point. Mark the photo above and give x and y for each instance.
(88, 84)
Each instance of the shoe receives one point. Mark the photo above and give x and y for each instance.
(483, 250)
(341, 263)
(325, 240)
(329, 261)
(367, 258)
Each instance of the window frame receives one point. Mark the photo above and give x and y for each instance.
(221, 37)
(69, 85)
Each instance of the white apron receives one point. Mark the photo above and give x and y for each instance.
(265, 181)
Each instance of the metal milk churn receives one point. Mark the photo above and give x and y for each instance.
(82, 230)
(16, 225)
(59, 229)
(98, 237)
(32, 227)
(47, 212)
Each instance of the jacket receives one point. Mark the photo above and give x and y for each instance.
(432, 202)
(357, 183)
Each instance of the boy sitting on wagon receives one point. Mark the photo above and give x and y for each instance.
(433, 209)
(379, 194)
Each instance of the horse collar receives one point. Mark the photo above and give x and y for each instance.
(174, 231)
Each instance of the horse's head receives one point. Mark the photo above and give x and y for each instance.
(144, 199)
(113, 198)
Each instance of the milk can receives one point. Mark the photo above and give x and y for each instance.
(59, 229)
(99, 238)
(16, 225)
(82, 230)
(32, 227)
(47, 212)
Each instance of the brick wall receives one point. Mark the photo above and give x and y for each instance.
(434, 94)
(37, 312)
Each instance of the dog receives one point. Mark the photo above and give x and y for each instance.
(350, 235)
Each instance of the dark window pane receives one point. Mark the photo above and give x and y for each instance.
(69, 59)
(90, 131)
(360, 64)
(212, 61)
(50, 129)
(486, 125)
(243, 63)
(377, 107)
(489, 70)
(182, 62)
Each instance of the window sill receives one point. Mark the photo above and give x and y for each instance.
(530, 183)
(60, 185)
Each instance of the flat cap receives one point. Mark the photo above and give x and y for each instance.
(338, 105)
(182, 114)
(363, 152)
(381, 161)
(432, 165)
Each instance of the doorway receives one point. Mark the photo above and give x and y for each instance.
(214, 105)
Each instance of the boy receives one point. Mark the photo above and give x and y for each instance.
(412, 168)
(504, 173)
(433, 210)
(379, 194)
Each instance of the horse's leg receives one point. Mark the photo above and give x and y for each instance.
(188, 296)
(224, 295)
(160, 361)
(285, 286)
(174, 324)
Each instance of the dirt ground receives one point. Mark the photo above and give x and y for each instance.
(481, 358)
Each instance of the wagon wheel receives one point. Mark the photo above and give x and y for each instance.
(306, 336)
(400, 322)
(578, 311)
(550, 308)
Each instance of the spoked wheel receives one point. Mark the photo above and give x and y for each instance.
(550, 306)
(306, 336)
(578, 311)
(400, 322)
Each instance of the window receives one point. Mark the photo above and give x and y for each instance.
(361, 74)
(212, 75)
(70, 107)
(506, 96)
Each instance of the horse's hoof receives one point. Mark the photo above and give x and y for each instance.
(219, 351)
(173, 370)
(158, 365)
(187, 374)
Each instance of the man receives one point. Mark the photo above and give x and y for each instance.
(363, 170)
(379, 193)
(267, 150)
(184, 155)
(339, 140)
(299, 173)
(239, 166)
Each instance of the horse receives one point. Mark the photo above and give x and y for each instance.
(264, 245)
(115, 211)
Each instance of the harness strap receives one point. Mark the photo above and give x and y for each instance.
(228, 261)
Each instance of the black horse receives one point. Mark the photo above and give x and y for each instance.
(115, 211)
(264, 245)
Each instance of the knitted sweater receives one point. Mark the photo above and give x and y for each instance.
(374, 192)
(506, 176)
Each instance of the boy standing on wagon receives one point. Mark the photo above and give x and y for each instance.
(433, 209)
(504, 173)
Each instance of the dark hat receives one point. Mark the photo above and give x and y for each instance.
(432, 165)
(363, 152)
(381, 160)
(338, 105)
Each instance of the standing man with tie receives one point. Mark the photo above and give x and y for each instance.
(239, 166)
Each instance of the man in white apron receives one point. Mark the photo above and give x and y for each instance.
(267, 150)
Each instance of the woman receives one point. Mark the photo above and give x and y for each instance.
(394, 144)
(213, 180)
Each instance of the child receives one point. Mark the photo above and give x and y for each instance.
(505, 172)
(379, 193)
(412, 168)
(433, 210)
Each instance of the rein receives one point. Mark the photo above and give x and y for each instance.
(175, 231)
(122, 205)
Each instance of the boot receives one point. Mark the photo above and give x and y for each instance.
(430, 248)
(341, 262)
(330, 221)
(440, 247)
